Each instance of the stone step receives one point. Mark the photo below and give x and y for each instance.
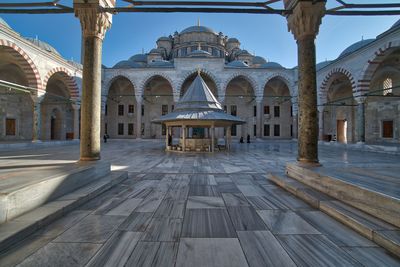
(22, 192)
(377, 230)
(20, 227)
(354, 189)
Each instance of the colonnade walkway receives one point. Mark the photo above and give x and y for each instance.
(198, 210)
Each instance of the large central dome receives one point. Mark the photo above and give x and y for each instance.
(198, 29)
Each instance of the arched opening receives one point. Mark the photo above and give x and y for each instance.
(277, 121)
(207, 79)
(240, 101)
(121, 109)
(383, 101)
(16, 107)
(339, 110)
(158, 100)
(57, 112)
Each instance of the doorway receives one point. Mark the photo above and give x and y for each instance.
(341, 131)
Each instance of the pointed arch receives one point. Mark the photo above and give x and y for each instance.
(248, 78)
(68, 79)
(187, 74)
(324, 88)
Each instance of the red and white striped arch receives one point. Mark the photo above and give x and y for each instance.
(323, 90)
(68, 79)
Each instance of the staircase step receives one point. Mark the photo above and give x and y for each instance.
(375, 229)
(20, 227)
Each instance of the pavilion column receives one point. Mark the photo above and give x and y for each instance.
(360, 121)
(259, 118)
(139, 119)
(166, 137)
(94, 25)
(37, 119)
(304, 24)
(228, 137)
(184, 138)
(212, 138)
(295, 126)
(76, 121)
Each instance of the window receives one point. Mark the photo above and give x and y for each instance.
(163, 130)
(225, 109)
(387, 86)
(120, 110)
(277, 130)
(254, 111)
(266, 129)
(131, 128)
(184, 51)
(192, 48)
(120, 129)
(105, 110)
(142, 110)
(254, 130)
(233, 130)
(387, 129)
(172, 107)
(131, 109)
(276, 111)
(266, 110)
(105, 128)
(164, 109)
(291, 111)
(233, 110)
(10, 126)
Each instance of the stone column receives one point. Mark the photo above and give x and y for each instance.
(212, 138)
(37, 119)
(94, 25)
(228, 137)
(139, 119)
(304, 24)
(166, 137)
(259, 118)
(76, 121)
(321, 123)
(295, 126)
(361, 121)
(183, 137)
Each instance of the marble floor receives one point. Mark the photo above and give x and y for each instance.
(197, 210)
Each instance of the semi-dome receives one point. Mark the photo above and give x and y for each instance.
(127, 64)
(257, 60)
(139, 58)
(4, 23)
(155, 51)
(355, 47)
(323, 64)
(42, 45)
(198, 29)
(164, 38)
(237, 64)
(272, 65)
(244, 52)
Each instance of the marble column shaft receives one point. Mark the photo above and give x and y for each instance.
(37, 119)
(139, 120)
(361, 122)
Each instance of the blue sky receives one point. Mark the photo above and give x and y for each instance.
(264, 35)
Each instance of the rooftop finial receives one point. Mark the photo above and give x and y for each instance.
(198, 71)
(198, 22)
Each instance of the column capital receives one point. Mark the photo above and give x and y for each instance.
(94, 21)
(361, 100)
(305, 18)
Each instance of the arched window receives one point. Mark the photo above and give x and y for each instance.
(387, 86)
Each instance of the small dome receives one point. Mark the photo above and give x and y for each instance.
(232, 40)
(198, 29)
(139, 58)
(127, 64)
(4, 23)
(237, 64)
(272, 65)
(164, 38)
(155, 51)
(257, 60)
(352, 48)
(42, 45)
(161, 64)
(396, 24)
(322, 64)
(243, 52)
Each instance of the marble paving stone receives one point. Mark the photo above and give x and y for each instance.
(171, 208)
(61, 254)
(340, 234)
(151, 202)
(96, 202)
(203, 223)
(227, 188)
(245, 218)
(199, 179)
(373, 257)
(251, 190)
(136, 222)
(93, 228)
(154, 254)
(117, 249)
(315, 250)
(262, 249)
(266, 203)
(242, 179)
(286, 222)
(286, 198)
(204, 190)
(163, 229)
(126, 207)
(235, 199)
(223, 179)
(177, 193)
(199, 202)
(210, 252)
(18, 252)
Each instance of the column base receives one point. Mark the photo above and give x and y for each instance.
(308, 163)
(89, 158)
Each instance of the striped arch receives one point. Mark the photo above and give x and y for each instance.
(67, 78)
(154, 74)
(204, 71)
(323, 90)
(373, 63)
(26, 63)
(248, 78)
(285, 78)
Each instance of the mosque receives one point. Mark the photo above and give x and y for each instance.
(358, 92)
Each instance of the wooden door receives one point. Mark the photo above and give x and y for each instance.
(387, 129)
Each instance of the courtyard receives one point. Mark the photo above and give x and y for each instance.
(204, 209)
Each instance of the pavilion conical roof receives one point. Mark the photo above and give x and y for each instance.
(199, 103)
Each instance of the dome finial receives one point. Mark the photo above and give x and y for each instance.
(198, 71)
(198, 22)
